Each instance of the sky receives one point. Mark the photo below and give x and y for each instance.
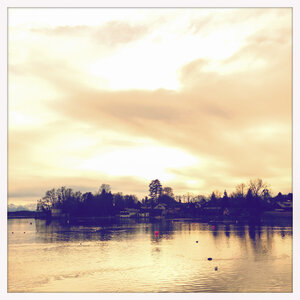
(200, 99)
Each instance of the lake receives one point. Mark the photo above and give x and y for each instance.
(164, 256)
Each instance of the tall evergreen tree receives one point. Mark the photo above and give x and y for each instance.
(155, 189)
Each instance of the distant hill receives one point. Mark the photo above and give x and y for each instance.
(28, 207)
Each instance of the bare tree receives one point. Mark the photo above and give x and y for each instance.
(104, 187)
(240, 189)
(257, 187)
(48, 201)
(168, 191)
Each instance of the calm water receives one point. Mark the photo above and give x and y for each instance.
(129, 257)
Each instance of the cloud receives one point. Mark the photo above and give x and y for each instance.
(32, 188)
(111, 34)
(114, 33)
(213, 19)
(233, 114)
(210, 118)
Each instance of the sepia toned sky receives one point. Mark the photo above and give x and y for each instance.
(197, 98)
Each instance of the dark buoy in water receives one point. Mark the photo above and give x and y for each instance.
(209, 258)
(216, 268)
(196, 241)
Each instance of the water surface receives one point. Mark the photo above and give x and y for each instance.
(166, 256)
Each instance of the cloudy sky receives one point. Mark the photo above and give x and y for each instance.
(198, 98)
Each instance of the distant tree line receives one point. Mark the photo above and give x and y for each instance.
(101, 203)
(247, 200)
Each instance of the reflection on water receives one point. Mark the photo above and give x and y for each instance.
(165, 256)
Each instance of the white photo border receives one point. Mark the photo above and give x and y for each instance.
(5, 4)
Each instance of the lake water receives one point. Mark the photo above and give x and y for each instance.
(132, 257)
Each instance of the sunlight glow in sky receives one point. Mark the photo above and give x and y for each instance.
(136, 162)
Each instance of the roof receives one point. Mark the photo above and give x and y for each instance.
(286, 204)
(160, 206)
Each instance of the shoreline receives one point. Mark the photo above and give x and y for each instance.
(269, 217)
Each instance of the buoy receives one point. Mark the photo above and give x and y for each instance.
(209, 258)
(30, 223)
(196, 241)
(24, 231)
(12, 233)
(216, 268)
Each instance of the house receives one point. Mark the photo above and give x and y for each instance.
(57, 213)
(284, 205)
(143, 214)
(161, 206)
(226, 211)
(198, 205)
(212, 210)
(160, 209)
(129, 213)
